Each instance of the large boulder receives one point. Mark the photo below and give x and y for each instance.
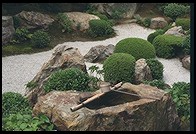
(7, 29)
(158, 22)
(186, 61)
(62, 58)
(99, 53)
(113, 111)
(128, 9)
(80, 20)
(142, 71)
(176, 30)
(32, 20)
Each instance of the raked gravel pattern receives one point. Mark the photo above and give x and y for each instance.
(20, 69)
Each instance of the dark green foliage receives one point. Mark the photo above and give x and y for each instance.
(184, 22)
(166, 45)
(156, 83)
(13, 103)
(16, 22)
(119, 67)
(155, 34)
(65, 22)
(99, 28)
(68, 79)
(31, 84)
(137, 47)
(167, 27)
(174, 10)
(146, 22)
(186, 45)
(25, 122)
(21, 34)
(40, 39)
(180, 93)
(156, 68)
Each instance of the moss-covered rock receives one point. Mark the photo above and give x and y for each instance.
(137, 47)
(119, 67)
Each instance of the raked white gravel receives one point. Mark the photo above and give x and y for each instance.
(20, 69)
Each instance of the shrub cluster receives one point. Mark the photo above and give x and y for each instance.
(156, 83)
(174, 10)
(65, 22)
(184, 22)
(119, 67)
(180, 93)
(21, 34)
(25, 122)
(40, 39)
(156, 68)
(14, 103)
(99, 28)
(151, 36)
(68, 79)
(186, 45)
(167, 45)
(137, 47)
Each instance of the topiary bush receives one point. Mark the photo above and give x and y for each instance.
(166, 45)
(180, 93)
(100, 28)
(147, 22)
(137, 47)
(13, 103)
(68, 79)
(174, 10)
(119, 67)
(184, 22)
(151, 36)
(156, 68)
(40, 39)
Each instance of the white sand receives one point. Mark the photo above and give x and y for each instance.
(19, 70)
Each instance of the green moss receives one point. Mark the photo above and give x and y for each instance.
(167, 45)
(184, 22)
(119, 67)
(137, 47)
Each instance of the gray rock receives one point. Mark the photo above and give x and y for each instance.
(99, 53)
(109, 8)
(158, 22)
(112, 112)
(32, 20)
(7, 29)
(80, 20)
(142, 71)
(186, 61)
(62, 58)
(176, 30)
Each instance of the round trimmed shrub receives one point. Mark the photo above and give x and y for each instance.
(40, 39)
(174, 10)
(151, 36)
(68, 79)
(137, 47)
(184, 22)
(13, 103)
(166, 45)
(156, 68)
(21, 34)
(119, 67)
(99, 28)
